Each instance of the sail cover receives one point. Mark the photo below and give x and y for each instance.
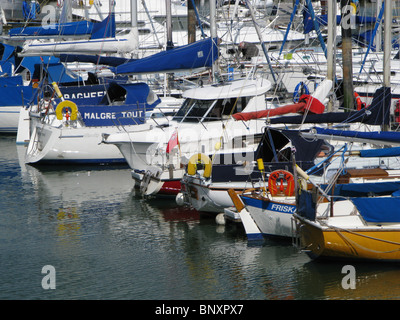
(377, 113)
(387, 136)
(97, 30)
(198, 54)
(306, 102)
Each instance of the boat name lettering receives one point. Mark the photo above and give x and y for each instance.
(283, 208)
(84, 95)
(111, 115)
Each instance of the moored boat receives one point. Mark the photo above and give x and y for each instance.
(73, 134)
(355, 221)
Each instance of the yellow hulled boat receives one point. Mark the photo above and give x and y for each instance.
(341, 225)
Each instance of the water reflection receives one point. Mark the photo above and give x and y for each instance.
(373, 280)
(106, 242)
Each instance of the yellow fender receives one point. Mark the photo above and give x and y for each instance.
(199, 158)
(66, 104)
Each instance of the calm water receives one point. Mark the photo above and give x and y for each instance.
(106, 243)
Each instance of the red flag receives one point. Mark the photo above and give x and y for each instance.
(173, 141)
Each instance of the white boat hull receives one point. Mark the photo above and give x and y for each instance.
(74, 145)
(273, 218)
(9, 117)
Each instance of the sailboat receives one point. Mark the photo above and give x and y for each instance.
(72, 134)
(103, 40)
(351, 220)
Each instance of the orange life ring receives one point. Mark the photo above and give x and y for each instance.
(286, 180)
(358, 101)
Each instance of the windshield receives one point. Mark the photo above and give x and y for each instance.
(193, 110)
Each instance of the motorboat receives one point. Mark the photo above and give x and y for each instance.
(157, 153)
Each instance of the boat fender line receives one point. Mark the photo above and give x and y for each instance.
(196, 159)
(281, 175)
(67, 107)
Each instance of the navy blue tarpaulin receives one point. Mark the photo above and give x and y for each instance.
(379, 210)
(198, 54)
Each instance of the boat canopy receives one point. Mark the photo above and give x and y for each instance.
(198, 54)
(371, 209)
(362, 189)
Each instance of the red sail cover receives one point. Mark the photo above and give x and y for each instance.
(306, 102)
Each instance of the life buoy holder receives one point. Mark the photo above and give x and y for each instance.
(301, 88)
(359, 103)
(196, 159)
(68, 107)
(286, 183)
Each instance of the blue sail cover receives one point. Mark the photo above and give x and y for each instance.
(98, 30)
(198, 54)
(388, 136)
(70, 28)
(384, 152)
(96, 59)
(362, 189)
(379, 210)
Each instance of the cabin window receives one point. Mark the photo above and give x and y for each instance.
(193, 110)
(223, 108)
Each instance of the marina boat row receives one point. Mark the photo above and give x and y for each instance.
(232, 147)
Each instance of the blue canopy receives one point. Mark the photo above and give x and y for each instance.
(70, 28)
(363, 189)
(388, 136)
(379, 210)
(198, 54)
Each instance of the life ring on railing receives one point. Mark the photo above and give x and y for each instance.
(359, 102)
(286, 183)
(196, 159)
(69, 108)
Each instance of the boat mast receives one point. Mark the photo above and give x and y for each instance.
(191, 21)
(387, 48)
(331, 48)
(213, 33)
(170, 43)
(134, 27)
(347, 59)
